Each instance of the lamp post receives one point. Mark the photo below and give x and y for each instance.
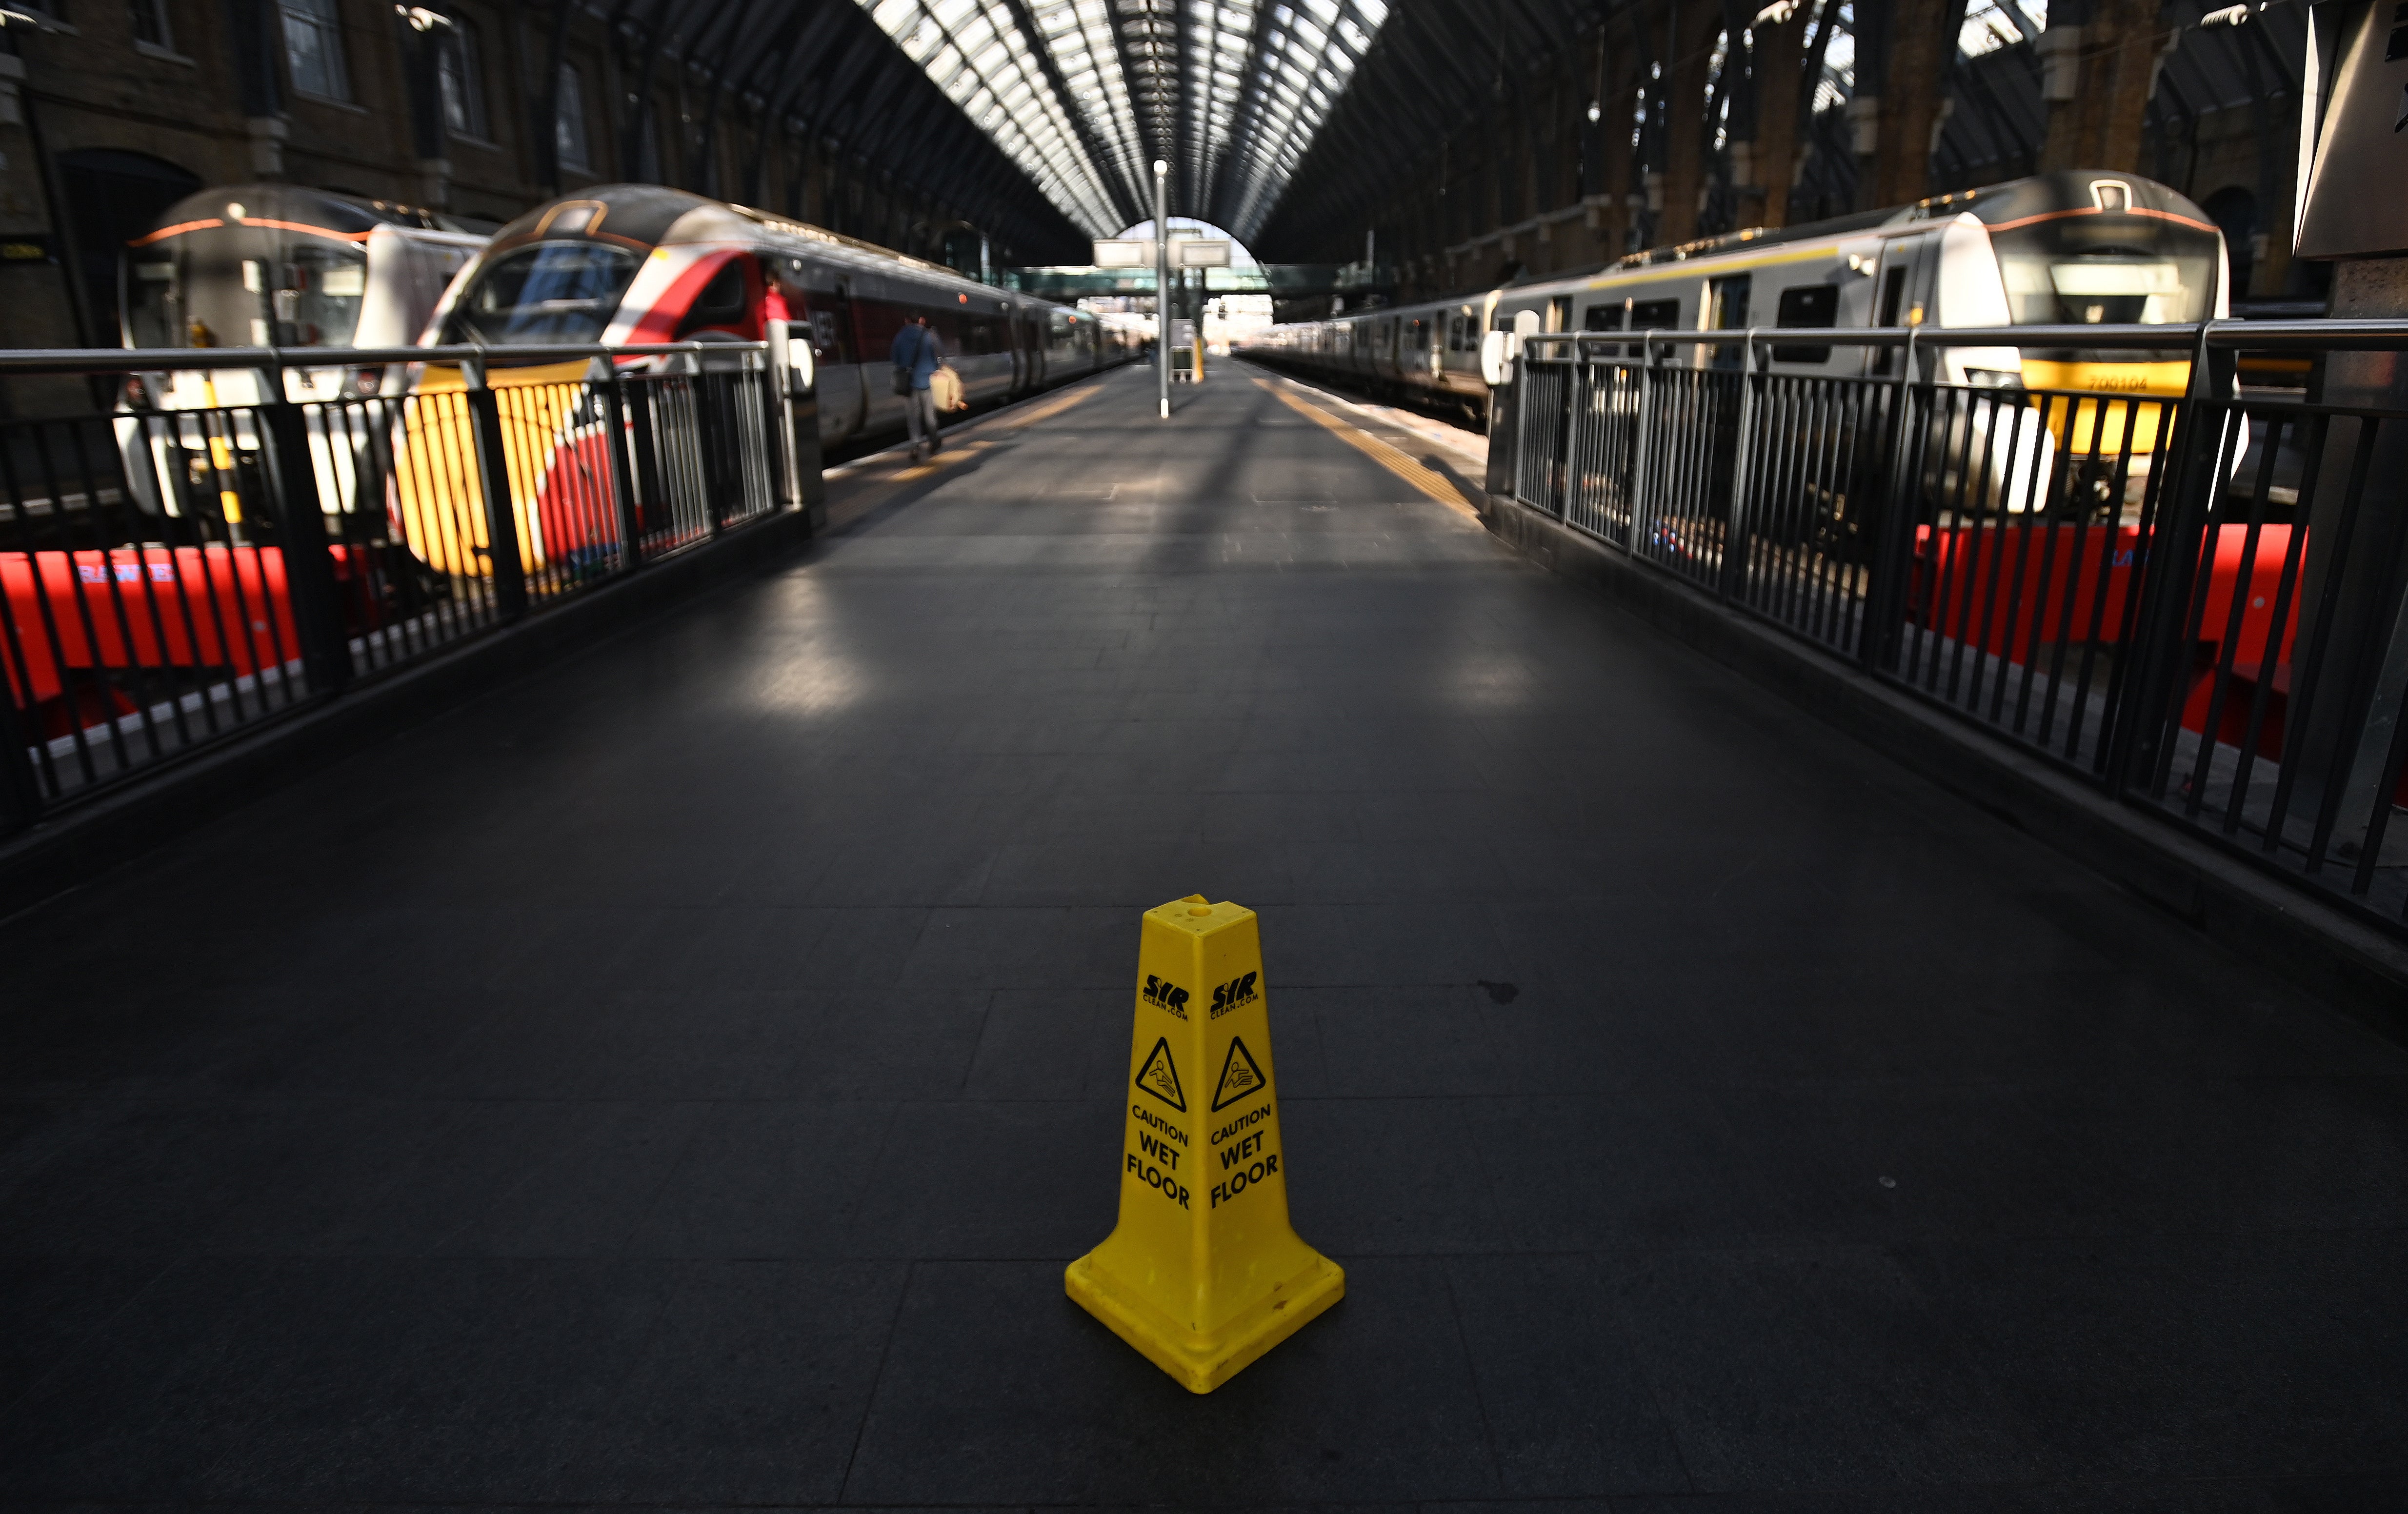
(1162, 279)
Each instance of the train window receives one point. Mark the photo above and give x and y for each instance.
(721, 302)
(1729, 312)
(1726, 311)
(154, 302)
(983, 335)
(1602, 318)
(1653, 315)
(329, 285)
(1893, 296)
(874, 325)
(2107, 268)
(553, 291)
(1808, 305)
(827, 338)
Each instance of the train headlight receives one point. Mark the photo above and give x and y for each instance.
(1993, 378)
(366, 380)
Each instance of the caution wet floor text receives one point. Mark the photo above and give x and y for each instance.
(1203, 1274)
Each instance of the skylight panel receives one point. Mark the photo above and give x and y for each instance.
(1054, 90)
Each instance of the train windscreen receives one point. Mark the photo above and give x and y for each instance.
(201, 290)
(553, 291)
(2085, 270)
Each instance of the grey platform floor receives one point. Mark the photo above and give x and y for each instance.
(683, 1077)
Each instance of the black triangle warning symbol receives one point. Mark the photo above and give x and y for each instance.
(1239, 1077)
(1160, 1077)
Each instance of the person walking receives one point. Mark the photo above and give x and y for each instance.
(916, 355)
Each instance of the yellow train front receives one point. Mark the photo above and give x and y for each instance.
(603, 270)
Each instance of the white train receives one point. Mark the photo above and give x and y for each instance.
(2077, 248)
(276, 266)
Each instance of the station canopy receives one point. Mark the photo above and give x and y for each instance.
(1086, 95)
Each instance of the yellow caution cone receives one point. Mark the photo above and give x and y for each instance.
(1203, 1274)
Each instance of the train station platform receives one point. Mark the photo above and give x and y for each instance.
(681, 1077)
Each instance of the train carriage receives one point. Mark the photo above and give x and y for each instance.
(2075, 248)
(634, 265)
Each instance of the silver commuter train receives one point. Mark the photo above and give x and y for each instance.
(278, 266)
(2074, 248)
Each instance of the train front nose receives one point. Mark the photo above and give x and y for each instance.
(551, 429)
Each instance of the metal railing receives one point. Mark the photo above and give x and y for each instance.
(2197, 601)
(246, 531)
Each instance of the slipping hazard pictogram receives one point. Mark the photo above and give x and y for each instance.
(1159, 1076)
(1203, 1274)
(1241, 1077)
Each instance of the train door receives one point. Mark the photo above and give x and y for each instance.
(839, 363)
(1560, 313)
(1727, 309)
(1902, 289)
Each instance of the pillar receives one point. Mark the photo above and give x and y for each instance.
(1922, 53)
(2098, 67)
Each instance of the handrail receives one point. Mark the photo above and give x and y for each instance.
(2050, 563)
(213, 358)
(2250, 335)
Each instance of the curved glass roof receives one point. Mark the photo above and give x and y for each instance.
(1085, 95)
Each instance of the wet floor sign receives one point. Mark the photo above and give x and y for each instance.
(1203, 1274)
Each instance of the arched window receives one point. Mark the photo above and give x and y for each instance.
(569, 122)
(313, 49)
(460, 73)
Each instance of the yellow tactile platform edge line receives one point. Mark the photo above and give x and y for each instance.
(1431, 482)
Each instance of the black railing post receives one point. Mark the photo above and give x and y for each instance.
(643, 401)
(1893, 518)
(1504, 439)
(300, 525)
(2159, 652)
(20, 786)
(803, 424)
(1736, 523)
(795, 421)
(723, 471)
(502, 559)
(622, 483)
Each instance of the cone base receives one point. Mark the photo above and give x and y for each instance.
(1202, 1363)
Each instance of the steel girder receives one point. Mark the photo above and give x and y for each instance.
(1438, 67)
(823, 66)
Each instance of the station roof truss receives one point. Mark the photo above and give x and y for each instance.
(822, 69)
(1440, 67)
(1085, 95)
(1435, 67)
(2001, 117)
